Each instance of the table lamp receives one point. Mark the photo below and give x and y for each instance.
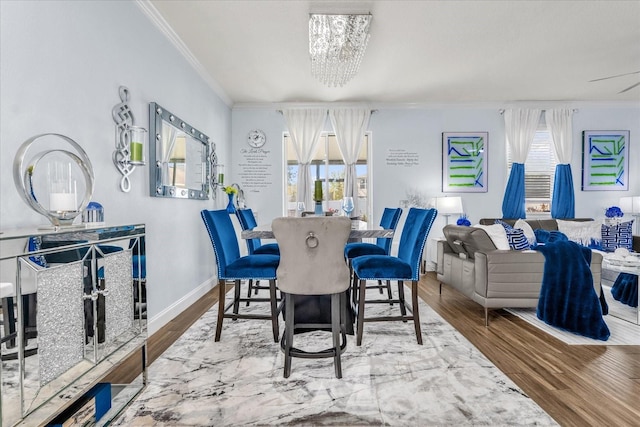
(631, 206)
(448, 206)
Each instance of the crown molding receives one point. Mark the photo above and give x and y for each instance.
(158, 20)
(497, 105)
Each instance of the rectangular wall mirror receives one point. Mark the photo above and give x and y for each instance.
(179, 155)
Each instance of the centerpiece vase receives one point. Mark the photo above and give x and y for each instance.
(317, 197)
(230, 206)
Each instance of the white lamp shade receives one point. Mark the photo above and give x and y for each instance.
(449, 205)
(630, 205)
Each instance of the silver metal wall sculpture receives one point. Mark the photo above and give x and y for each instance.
(130, 140)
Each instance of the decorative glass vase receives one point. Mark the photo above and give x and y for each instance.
(231, 207)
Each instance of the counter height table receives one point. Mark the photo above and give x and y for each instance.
(317, 309)
(359, 230)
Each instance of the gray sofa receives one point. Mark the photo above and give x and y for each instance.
(469, 262)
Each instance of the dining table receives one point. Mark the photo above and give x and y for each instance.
(359, 230)
(317, 308)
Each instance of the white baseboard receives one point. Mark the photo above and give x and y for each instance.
(171, 312)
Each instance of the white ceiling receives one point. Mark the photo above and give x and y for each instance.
(256, 51)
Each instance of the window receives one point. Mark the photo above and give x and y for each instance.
(539, 171)
(327, 165)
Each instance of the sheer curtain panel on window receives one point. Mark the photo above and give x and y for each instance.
(350, 124)
(559, 122)
(305, 126)
(520, 128)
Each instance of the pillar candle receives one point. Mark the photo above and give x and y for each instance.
(62, 202)
(136, 146)
(136, 151)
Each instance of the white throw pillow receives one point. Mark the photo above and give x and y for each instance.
(498, 235)
(528, 231)
(582, 232)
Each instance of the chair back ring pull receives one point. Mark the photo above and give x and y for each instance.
(311, 240)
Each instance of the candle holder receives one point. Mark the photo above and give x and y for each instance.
(138, 141)
(54, 193)
(131, 141)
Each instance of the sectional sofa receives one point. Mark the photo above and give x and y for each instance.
(469, 261)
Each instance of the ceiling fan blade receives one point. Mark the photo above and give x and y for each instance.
(630, 87)
(613, 77)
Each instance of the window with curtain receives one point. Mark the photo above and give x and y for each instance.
(327, 165)
(539, 170)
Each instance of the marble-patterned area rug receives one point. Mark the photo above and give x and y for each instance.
(389, 380)
(622, 332)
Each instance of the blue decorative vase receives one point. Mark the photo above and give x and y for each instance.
(231, 207)
(318, 210)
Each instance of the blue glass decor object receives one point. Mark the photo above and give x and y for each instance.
(94, 213)
(613, 212)
(230, 206)
(464, 221)
(318, 210)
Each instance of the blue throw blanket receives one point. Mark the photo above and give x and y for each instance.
(549, 236)
(625, 289)
(567, 298)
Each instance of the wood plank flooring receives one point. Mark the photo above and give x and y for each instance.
(576, 385)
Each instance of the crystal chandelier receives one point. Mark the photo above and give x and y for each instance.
(336, 45)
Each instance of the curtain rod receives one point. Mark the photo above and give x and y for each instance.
(501, 111)
(372, 111)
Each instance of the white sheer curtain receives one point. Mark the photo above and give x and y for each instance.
(305, 126)
(350, 124)
(520, 127)
(559, 122)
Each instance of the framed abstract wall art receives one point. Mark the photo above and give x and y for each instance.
(605, 160)
(464, 162)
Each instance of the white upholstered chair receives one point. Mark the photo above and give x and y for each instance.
(312, 264)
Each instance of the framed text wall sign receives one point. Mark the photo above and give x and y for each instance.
(605, 160)
(464, 162)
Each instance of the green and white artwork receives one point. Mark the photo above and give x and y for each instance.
(464, 162)
(605, 160)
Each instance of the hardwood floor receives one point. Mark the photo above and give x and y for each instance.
(576, 385)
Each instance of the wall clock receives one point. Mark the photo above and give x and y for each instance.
(256, 138)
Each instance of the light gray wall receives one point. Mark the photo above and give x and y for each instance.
(62, 63)
(418, 129)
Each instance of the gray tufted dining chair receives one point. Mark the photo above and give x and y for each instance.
(312, 264)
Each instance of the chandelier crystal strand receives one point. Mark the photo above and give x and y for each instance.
(336, 45)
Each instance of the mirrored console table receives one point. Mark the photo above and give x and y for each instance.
(73, 308)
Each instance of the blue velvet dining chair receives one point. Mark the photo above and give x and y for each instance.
(389, 221)
(254, 246)
(406, 266)
(233, 267)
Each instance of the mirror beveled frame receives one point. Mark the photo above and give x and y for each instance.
(159, 116)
